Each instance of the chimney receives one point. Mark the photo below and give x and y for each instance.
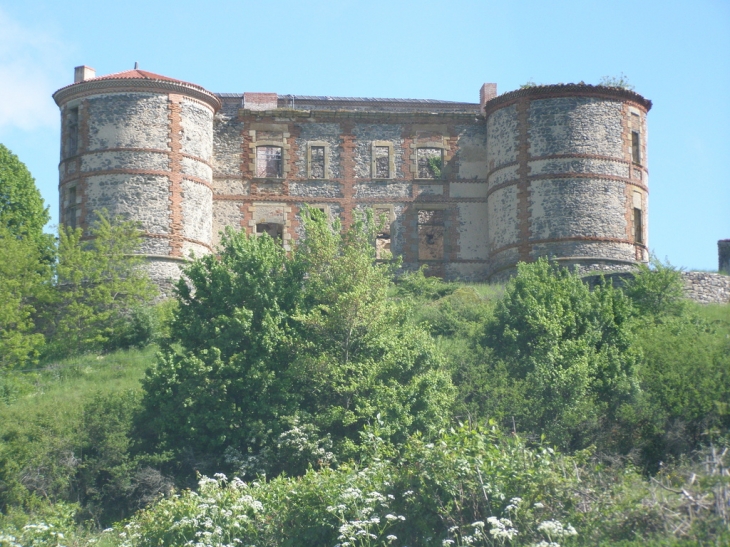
(83, 73)
(260, 101)
(487, 93)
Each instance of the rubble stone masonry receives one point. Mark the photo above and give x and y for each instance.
(468, 189)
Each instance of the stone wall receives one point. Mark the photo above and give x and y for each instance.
(552, 171)
(562, 180)
(707, 288)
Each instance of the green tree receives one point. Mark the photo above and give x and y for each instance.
(23, 281)
(363, 357)
(657, 290)
(288, 353)
(21, 206)
(568, 351)
(98, 285)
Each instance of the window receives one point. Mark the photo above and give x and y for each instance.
(382, 162)
(635, 148)
(430, 161)
(268, 162)
(638, 226)
(384, 223)
(70, 212)
(275, 231)
(431, 229)
(317, 162)
(72, 128)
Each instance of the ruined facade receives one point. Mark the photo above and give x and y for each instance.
(468, 189)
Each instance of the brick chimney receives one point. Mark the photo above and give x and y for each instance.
(487, 93)
(83, 73)
(260, 101)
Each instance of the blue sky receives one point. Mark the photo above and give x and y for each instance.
(676, 53)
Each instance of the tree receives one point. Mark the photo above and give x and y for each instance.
(23, 280)
(568, 350)
(289, 352)
(657, 290)
(98, 283)
(21, 206)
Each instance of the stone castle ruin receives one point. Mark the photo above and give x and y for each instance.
(469, 189)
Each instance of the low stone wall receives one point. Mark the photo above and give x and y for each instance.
(707, 288)
(702, 287)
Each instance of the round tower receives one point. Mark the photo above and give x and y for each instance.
(567, 177)
(139, 145)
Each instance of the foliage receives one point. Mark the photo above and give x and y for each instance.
(528, 84)
(417, 285)
(23, 280)
(435, 165)
(273, 359)
(65, 436)
(568, 352)
(656, 289)
(99, 283)
(620, 81)
(685, 378)
(470, 486)
(22, 210)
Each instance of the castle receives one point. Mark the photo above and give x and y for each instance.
(469, 189)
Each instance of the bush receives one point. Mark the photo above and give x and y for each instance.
(567, 351)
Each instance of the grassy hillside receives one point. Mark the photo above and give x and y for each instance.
(72, 456)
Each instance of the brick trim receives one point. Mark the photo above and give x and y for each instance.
(111, 85)
(570, 156)
(151, 172)
(523, 184)
(161, 151)
(175, 175)
(597, 239)
(347, 160)
(568, 90)
(171, 238)
(425, 199)
(514, 182)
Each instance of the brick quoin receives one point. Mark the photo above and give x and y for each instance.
(176, 215)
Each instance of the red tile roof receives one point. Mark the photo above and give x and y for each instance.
(137, 74)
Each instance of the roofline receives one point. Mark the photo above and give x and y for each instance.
(343, 103)
(109, 85)
(567, 90)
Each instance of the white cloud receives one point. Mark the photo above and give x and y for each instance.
(31, 62)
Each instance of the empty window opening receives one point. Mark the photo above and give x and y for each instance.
(382, 162)
(73, 131)
(316, 162)
(430, 162)
(70, 212)
(638, 226)
(431, 230)
(383, 221)
(268, 162)
(275, 231)
(382, 246)
(635, 147)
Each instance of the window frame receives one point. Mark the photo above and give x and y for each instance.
(430, 146)
(318, 144)
(391, 159)
(280, 174)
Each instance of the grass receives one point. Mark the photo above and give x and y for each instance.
(75, 377)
